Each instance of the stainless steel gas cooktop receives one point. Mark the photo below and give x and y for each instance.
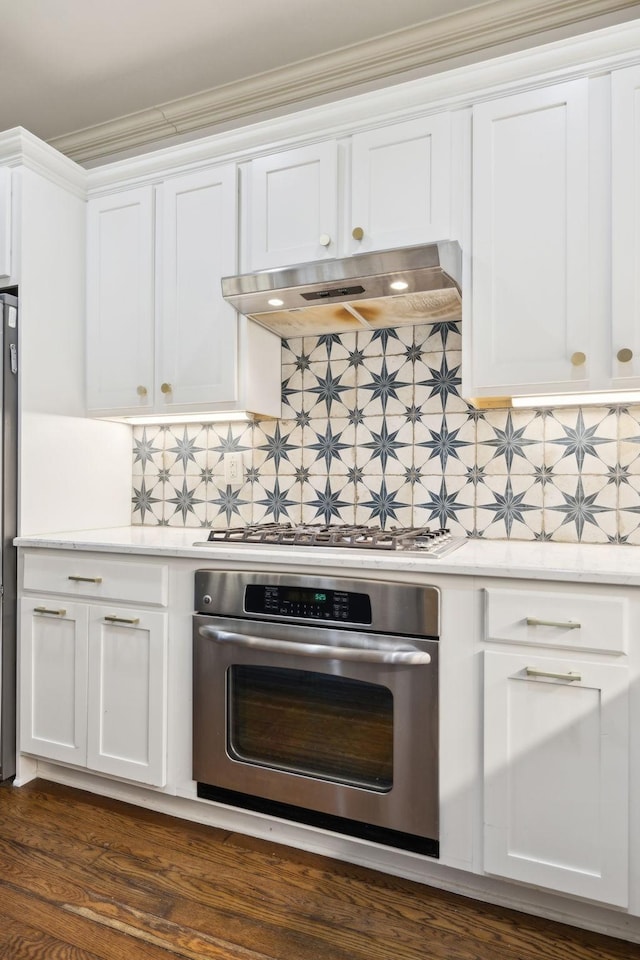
(433, 542)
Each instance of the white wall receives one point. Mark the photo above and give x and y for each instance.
(73, 472)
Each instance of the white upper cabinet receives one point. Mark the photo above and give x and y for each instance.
(625, 250)
(400, 185)
(530, 246)
(197, 331)
(161, 340)
(388, 187)
(294, 206)
(5, 223)
(120, 301)
(555, 304)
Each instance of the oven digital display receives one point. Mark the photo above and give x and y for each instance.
(304, 603)
(292, 595)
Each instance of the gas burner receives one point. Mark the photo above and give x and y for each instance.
(435, 543)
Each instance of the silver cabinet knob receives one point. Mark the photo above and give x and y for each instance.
(357, 233)
(325, 239)
(165, 388)
(625, 355)
(578, 358)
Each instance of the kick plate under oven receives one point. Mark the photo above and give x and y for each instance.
(316, 700)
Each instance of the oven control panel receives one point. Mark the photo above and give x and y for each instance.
(308, 603)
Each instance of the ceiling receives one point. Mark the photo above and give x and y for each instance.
(76, 65)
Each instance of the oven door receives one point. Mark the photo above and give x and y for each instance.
(338, 722)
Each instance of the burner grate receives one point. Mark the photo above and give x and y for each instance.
(436, 542)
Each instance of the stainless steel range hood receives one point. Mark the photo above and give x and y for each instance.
(389, 288)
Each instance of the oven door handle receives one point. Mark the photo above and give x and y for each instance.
(395, 653)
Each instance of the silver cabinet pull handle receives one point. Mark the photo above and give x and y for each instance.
(56, 613)
(564, 624)
(86, 579)
(570, 677)
(401, 653)
(131, 620)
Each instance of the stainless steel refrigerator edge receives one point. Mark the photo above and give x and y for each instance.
(8, 520)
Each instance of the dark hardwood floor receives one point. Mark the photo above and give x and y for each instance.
(88, 878)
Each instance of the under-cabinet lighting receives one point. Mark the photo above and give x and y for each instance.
(399, 285)
(229, 416)
(275, 302)
(608, 398)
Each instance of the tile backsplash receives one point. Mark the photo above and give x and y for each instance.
(374, 430)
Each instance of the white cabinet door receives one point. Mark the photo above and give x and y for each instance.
(293, 206)
(400, 185)
(53, 684)
(556, 775)
(530, 247)
(5, 223)
(120, 302)
(126, 729)
(197, 329)
(625, 223)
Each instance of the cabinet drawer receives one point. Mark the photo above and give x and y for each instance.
(96, 576)
(574, 620)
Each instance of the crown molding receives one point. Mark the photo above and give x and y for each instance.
(19, 148)
(418, 48)
(592, 53)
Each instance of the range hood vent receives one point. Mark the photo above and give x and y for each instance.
(390, 288)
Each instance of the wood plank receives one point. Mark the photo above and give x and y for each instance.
(19, 941)
(113, 874)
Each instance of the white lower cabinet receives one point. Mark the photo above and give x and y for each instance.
(126, 719)
(556, 778)
(53, 687)
(93, 687)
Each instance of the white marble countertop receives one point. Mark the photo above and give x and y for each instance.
(584, 563)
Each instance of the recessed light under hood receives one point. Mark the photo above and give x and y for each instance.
(338, 296)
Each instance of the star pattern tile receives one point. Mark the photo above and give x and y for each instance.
(388, 387)
(331, 445)
(580, 511)
(442, 382)
(382, 505)
(328, 504)
(385, 444)
(148, 447)
(576, 439)
(277, 447)
(329, 388)
(375, 429)
(505, 508)
(228, 504)
(443, 504)
(445, 443)
(185, 503)
(185, 445)
(145, 503)
(277, 504)
(508, 443)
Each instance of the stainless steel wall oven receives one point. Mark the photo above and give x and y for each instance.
(316, 700)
